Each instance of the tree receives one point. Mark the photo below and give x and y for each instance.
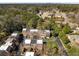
(66, 29)
(63, 37)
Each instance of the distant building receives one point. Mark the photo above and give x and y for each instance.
(73, 25)
(45, 14)
(58, 15)
(74, 38)
(76, 30)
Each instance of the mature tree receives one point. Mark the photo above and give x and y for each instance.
(66, 29)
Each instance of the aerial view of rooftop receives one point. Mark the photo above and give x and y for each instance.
(39, 29)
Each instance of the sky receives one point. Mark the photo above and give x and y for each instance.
(40, 1)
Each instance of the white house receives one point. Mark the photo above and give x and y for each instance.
(33, 30)
(27, 41)
(14, 34)
(40, 41)
(24, 29)
(5, 46)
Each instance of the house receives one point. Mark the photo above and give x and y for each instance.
(5, 46)
(74, 38)
(24, 29)
(24, 32)
(33, 33)
(8, 43)
(14, 34)
(58, 14)
(44, 14)
(33, 30)
(76, 30)
(39, 44)
(71, 14)
(27, 43)
(36, 34)
(47, 33)
(44, 33)
(40, 41)
(33, 45)
(73, 25)
(4, 51)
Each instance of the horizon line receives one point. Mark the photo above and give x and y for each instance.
(39, 3)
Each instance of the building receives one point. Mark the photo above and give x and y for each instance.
(24, 29)
(39, 44)
(8, 43)
(36, 34)
(14, 34)
(24, 32)
(4, 48)
(33, 30)
(47, 33)
(34, 40)
(32, 45)
(27, 43)
(74, 38)
(44, 14)
(76, 30)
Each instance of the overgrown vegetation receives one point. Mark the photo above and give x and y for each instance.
(15, 17)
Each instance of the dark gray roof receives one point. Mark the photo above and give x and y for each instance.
(33, 41)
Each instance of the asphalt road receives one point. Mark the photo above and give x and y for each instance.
(60, 45)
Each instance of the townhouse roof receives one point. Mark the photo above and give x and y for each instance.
(33, 41)
(47, 31)
(27, 41)
(40, 41)
(14, 34)
(5, 46)
(33, 30)
(24, 29)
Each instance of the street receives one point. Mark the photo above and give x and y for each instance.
(61, 47)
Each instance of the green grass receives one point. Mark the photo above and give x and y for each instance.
(52, 47)
(73, 51)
